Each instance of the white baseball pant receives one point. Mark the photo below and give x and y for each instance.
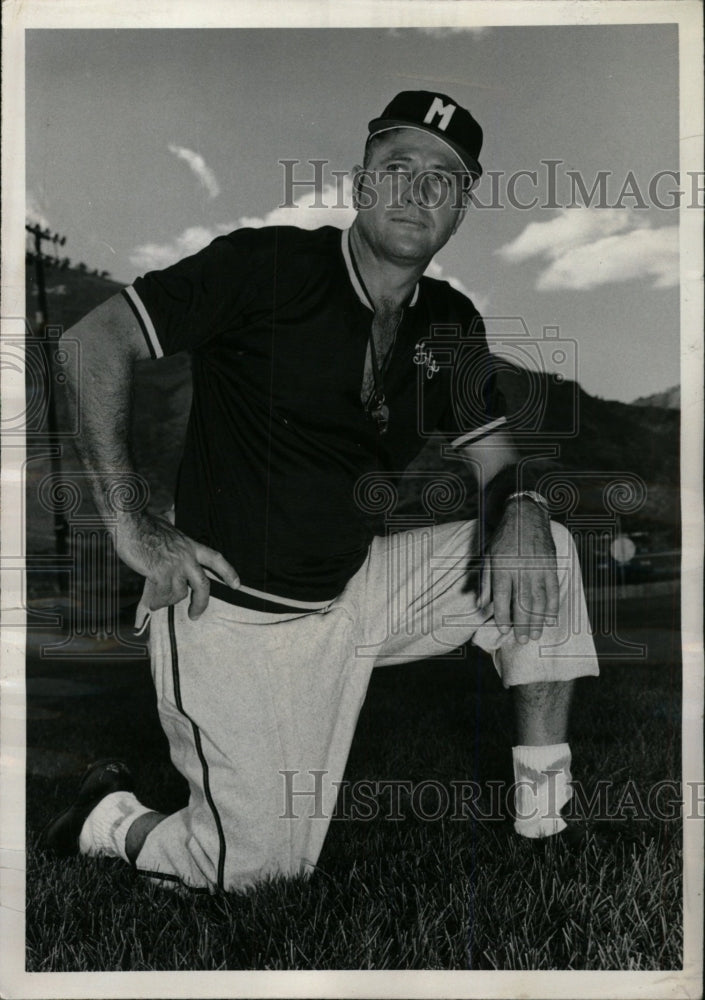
(246, 697)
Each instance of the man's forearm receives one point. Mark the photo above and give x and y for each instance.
(100, 393)
(110, 343)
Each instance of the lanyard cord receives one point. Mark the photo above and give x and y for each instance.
(378, 395)
(378, 408)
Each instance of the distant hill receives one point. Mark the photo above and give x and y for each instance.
(71, 292)
(670, 399)
(613, 442)
(618, 453)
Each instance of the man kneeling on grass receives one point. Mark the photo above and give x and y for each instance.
(270, 597)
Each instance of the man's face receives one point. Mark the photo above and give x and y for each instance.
(409, 196)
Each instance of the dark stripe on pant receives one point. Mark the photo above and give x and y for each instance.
(168, 877)
(199, 748)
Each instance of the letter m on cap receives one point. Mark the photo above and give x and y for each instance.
(439, 108)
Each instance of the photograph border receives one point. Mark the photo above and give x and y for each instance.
(20, 16)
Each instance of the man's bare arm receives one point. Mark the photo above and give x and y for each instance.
(110, 343)
(519, 570)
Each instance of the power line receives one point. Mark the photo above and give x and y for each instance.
(42, 319)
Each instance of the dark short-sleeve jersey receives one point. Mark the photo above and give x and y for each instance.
(278, 327)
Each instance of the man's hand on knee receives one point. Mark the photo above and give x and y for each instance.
(519, 574)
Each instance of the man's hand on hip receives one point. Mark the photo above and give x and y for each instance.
(519, 572)
(171, 562)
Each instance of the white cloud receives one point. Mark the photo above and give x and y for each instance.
(151, 256)
(301, 213)
(572, 228)
(199, 167)
(34, 213)
(641, 253)
(585, 247)
(307, 212)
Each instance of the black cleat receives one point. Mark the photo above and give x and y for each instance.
(595, 838)
(576, 836)
(61, 834)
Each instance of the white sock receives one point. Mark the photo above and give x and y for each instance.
(105, 828)
(542, 787)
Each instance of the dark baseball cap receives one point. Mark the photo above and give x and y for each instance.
(441, 116)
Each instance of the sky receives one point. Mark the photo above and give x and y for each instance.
(142, 145)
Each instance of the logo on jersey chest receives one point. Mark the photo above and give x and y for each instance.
(424, 356)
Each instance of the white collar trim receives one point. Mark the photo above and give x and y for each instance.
(354, 280)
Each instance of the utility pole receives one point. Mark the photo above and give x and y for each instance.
(40, 235)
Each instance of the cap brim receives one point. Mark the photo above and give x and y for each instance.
(385, 124)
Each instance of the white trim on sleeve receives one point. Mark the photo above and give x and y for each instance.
(479, 432)
(145, 320)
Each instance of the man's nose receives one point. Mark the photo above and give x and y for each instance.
(407, 188)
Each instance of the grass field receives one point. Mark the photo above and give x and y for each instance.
(440, 893)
